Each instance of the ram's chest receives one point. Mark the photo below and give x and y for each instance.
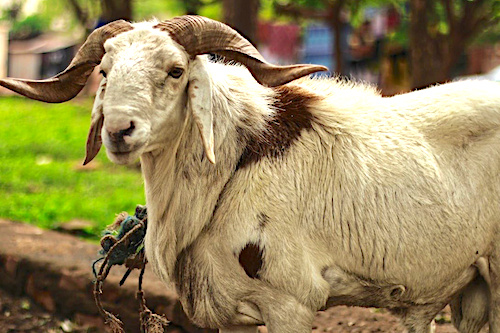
(158, 251)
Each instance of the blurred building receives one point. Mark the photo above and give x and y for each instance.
(4, 48)
(40, 57)
(318, 46)
(279, 43)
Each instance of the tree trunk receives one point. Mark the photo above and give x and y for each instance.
(433, 57)
(336, 27)
(116, 9)
(242, 15)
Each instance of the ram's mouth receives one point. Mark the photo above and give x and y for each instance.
(123, 157)
(121, 153)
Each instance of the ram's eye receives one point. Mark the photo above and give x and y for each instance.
(103, 73)
(176, 72)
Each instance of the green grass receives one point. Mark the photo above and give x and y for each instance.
(41, 147)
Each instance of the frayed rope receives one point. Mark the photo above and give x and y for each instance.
(123, 244)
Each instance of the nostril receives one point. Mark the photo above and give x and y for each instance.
(127, 131)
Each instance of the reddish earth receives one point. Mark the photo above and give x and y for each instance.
(20, 314)
(358, 320)
(345, 319)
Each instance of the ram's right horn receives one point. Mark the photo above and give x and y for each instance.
(67, 84)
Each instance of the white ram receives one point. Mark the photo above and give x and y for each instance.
(299, 195)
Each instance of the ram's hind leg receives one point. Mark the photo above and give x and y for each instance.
(469, 308)
(494, 278)
(240, 329)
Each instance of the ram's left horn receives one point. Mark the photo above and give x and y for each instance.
(201, 35)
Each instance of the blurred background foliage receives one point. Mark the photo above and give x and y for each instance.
(435, 32)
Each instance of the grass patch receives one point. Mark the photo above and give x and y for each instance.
(41, 147)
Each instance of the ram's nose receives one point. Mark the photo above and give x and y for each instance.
(119, 129)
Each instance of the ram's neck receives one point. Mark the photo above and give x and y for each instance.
(182, 186)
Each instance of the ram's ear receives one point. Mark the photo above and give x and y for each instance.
(200, 104)
(94, 139)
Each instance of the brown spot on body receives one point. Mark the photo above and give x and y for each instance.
(250, 259)
(283, 129)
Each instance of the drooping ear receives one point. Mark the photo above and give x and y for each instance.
(200, 105)
(94, 139)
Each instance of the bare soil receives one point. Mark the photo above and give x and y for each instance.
(21, 315)
(343, 319)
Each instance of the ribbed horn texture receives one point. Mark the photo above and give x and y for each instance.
(200, 35)
(67, 84)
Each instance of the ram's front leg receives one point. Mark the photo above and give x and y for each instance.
(216, 292)
(283, 313)
(279, 311)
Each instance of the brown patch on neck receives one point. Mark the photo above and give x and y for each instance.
(250, 259)
(283, 129)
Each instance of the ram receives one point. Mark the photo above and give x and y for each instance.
(271, 195)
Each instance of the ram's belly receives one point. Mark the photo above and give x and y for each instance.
(350, 289)
(382, 273)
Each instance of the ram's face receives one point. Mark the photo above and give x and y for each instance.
(143, 95)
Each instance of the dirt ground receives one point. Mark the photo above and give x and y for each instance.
(20, 314)
(344, 319)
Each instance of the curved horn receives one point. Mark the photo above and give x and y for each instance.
(67, 84)
(200, 35)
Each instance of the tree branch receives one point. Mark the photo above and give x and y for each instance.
(470, 10)
(299, 11)
(450, 14)
(481, 22)
(81, 15)
(476, 17)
